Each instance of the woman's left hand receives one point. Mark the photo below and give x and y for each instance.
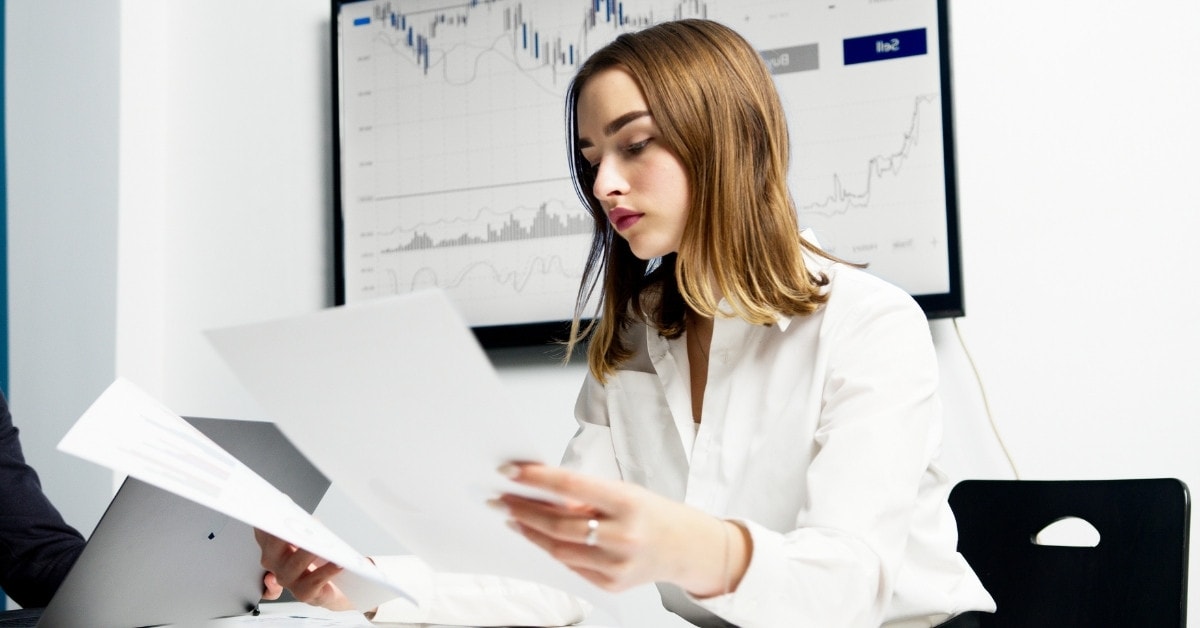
(619, 535)
(306, 575)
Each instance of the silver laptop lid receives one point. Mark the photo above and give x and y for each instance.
(156, 558)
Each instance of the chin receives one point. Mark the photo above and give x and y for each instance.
(646, 256)
(646, 251)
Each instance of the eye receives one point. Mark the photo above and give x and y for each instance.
(637, 147)
(587, 164)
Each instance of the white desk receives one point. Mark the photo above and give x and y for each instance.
(300, 615)
(640, 608)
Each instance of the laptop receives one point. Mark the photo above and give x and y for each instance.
(156, 558)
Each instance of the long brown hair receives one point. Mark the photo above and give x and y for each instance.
(715, 103)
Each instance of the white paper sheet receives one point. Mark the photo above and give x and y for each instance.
(397, 404)
(129, 432)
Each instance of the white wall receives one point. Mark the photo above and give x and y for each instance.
(1077, 136)
(1076, 128)
(61, 115)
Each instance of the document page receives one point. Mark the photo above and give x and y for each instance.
(397, 404)
(129, 432)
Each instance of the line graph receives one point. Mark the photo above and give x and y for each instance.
(453, 163)
(842, 200)
(516, 279)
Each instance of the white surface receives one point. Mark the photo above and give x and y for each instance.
(1076, 159)
(412, 426)
(296, 614)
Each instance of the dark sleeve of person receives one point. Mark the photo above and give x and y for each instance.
(37, 547)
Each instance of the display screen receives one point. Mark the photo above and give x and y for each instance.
(451, 167)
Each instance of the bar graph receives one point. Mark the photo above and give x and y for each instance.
(453, 165)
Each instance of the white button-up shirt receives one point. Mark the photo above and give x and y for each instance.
(819, 433)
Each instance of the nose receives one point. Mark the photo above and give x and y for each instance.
(610, 181)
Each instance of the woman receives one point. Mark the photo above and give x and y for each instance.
(779, 406)
(760, 422)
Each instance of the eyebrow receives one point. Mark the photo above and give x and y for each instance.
(615, 125)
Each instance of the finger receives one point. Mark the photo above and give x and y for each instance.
(574, 555)
(269, 544)
(510, 502)
(275, 551)
(561, 525)
(292, 568)
(271, 587)
(264, 538)
(315, 586)
(603, 494)
(566, 506)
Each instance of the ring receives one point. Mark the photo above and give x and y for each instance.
(593, 532)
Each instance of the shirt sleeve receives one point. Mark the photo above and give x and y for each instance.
(591, 451)
(37, 548)
(878, 432)
(456, 599)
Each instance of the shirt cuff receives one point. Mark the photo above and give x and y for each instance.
(745, 601)
(456, 599)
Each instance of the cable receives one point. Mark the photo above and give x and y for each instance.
(986, 406)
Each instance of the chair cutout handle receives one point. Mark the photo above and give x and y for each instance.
(1068, 532)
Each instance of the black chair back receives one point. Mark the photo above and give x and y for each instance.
(1135, 576)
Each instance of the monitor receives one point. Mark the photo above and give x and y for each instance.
(450, 158)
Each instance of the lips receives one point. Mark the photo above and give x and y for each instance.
(623, 219)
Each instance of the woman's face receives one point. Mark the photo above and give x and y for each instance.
(640, 183)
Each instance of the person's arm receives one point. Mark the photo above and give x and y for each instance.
(619, 535)
(631, 548)
(879, 430)
(37, 548)
(308, 576)
(878, 433)
(589, 474)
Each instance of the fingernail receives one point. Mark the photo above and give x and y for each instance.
(512, 524)
(509, 470)
(497, 504)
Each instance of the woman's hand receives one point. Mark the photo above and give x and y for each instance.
(306, 575)
(637, 536)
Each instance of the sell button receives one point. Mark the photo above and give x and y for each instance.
(884, 46)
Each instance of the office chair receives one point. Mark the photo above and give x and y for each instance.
(1135, 576)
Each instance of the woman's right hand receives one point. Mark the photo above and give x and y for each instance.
(308, 576)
